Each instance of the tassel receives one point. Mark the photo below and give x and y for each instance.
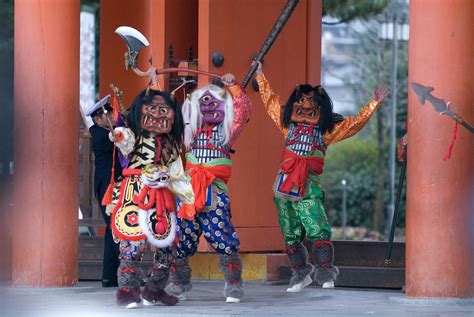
(107, 199)
(115, 107)
(161, 225)
(451, 145)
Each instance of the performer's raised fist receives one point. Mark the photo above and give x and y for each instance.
(259, 70)
(228, 80)
(115, 136)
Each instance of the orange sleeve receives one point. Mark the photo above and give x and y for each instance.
(271, 102)
(351, 125)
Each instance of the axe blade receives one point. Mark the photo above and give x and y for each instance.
(133, 38)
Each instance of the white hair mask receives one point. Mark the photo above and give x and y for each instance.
(193, 117)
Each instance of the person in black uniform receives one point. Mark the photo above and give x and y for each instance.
(98, 119)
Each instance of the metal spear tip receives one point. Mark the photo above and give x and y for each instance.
(421, 91)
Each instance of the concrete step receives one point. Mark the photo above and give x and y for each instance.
(348, 253)
(371, 277)
(349, 276)
(361, 264)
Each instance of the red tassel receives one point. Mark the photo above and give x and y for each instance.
(451, 145)
(107, 199)
(161, 226)
(115, 107)
(170, 201)
(144, 193)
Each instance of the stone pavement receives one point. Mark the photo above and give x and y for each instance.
(206, 299)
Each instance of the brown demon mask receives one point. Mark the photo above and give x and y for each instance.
(305, 110)
(157, 116)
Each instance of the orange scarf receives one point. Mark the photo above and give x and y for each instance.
(202, 177)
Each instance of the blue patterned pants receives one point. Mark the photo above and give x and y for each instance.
(215, 222)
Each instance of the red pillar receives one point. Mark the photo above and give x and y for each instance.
(440, 195)
(115, 13)
(46, 134)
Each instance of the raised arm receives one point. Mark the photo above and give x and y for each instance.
(270, 100)
(124, 138)
(242, 107)
(242, 111)
(353, 124)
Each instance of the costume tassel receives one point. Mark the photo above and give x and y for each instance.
(451, 145)
(115, 107)
(107, 199)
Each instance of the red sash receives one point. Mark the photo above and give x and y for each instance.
(202, 176)
(296, 168)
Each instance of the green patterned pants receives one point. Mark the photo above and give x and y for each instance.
(305, 218)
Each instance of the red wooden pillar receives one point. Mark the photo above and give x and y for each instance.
(440, 195)
(46, 135)
(238, 29)
(115, 13)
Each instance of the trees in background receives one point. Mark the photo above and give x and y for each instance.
(353, 160)
(349, 10)
(365, 157)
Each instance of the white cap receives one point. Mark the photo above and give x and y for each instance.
(98, 105)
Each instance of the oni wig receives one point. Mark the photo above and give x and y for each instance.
(321, 98)
(145, 97)
(192, 113)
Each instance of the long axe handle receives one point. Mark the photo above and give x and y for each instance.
(388, 259)
(277, 27)
(161, 71)
(180, 69)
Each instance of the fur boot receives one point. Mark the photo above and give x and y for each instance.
(231, 267)
(154, 289)
(322, 255)
(180, 279)
(298, 257)
(129, 274)
(154, 297)
(128, 296)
